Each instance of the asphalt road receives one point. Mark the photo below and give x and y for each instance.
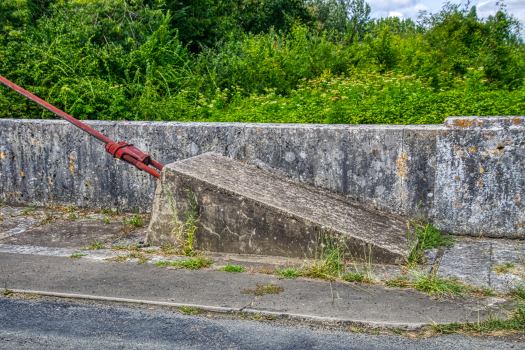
(48, 324)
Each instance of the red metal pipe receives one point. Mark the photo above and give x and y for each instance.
(122, 150)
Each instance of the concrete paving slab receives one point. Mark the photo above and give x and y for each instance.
(208, 289)
(469, 262)
(384, 305)
(16, 225)
(512, 252)
(66, 234)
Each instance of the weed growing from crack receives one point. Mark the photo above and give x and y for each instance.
(190, 310)
(184, 233)
(29, 211)
(193, 263)
(69, 209)
(354, 277)
(397, 331)
(518, 292)
(162, 263)
(76, 256)
(288, 273)
(94, 246)
(261, 290)
(357, 329)
(504, 268)
(232, 268)
(138, 255)
(107, 221)
(7, 292)
(110, 212)
(72, 216)
(426, 237)
(514, 322)
(117, 258)
(437, 285)
(399, 282)
(135, 221)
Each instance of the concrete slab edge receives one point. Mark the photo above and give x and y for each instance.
(322, 319)
(219, 309)
(124, 300)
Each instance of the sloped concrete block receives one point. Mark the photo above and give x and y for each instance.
(245, 209)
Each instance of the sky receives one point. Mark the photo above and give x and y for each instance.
(411, 8)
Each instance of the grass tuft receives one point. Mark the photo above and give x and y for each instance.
(354, 277)
(76, 256)
(117, 258)
(261, 290)
(288, 273)
(94, 246)
(504, 268)
(515, 322)
(518, 292)
(162, 263)
(232, 268)
(193, 263)
(190, 310)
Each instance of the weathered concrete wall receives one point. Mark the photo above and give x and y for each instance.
(399, 169)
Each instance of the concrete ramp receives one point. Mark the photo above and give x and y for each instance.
(243, 209)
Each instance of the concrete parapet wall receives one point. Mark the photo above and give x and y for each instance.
(467, 176)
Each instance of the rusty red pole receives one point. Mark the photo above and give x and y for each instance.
(122, 150)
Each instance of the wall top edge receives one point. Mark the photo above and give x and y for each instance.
(341, 127)
(473, 122)
(458, 123)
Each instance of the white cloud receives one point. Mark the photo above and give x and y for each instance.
(389, 5)
(395, 14)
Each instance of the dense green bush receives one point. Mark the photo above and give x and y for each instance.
(221, 60)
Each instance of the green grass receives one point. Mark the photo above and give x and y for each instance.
(518, 292)
(288, 273)
(261, 290)
(142, 258)
(190, 310)
(514, 323)
(29, 211)
(354, 277)
(193, 263)
(72, 216)
(426, 237)
(76, 256)
(94, 246)
(117, 258)
(232, 268)
(162, 263)
(135, 221)
(399, 282)
(107, 221)
(504, 268)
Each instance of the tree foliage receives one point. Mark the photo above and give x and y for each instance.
(172, 60)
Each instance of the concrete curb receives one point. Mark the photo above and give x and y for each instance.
(124, 300)
(290, 316)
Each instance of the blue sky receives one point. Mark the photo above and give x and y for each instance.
(411, 8)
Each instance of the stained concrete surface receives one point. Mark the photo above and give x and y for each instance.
(66, 234)
(466, 176)
(209, 288)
